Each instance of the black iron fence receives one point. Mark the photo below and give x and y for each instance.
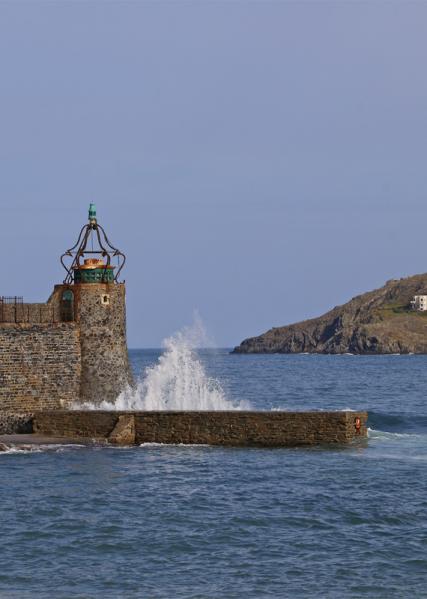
(12, 299)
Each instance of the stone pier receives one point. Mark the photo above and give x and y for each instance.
(234, 428)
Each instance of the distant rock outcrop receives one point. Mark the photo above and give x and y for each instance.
(377, 322)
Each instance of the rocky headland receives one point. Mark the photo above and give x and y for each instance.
(378, 322)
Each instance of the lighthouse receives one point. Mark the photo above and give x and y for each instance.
(72, 349)
(93, 297)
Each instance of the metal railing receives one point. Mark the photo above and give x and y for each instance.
(12, 299)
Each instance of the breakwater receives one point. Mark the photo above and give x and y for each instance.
(234, 428)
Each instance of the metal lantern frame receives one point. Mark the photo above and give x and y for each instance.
(106, 249)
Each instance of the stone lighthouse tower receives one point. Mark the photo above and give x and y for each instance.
(92, 296)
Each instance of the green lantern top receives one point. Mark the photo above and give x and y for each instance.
(92, 212)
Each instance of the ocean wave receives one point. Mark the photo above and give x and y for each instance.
(398, 422)
(53, 447)
(386, 435)
(178, 381)
(18, 450)
(157, 445)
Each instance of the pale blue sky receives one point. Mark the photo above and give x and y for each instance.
(258, 161)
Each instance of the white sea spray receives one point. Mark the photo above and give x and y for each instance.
(178, 381)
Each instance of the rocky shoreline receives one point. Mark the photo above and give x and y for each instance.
(377, 322)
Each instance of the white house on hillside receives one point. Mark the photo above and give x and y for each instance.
(419, 303)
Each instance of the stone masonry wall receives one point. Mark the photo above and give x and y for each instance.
(265, 429)
(27, 313)
(48, 364)
(12, 423)
(40, 366)
(246, 428)
(101, 315)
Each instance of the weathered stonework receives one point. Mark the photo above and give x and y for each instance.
(236, 428)
(101, 316)
(124, 432)
(13, 423)
(40, 366)
(50, 360)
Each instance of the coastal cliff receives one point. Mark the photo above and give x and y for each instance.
(377, 322)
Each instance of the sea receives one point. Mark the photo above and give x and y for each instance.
(201, 522)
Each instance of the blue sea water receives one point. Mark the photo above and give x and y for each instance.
(209, 522)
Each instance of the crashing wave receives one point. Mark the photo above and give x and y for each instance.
(178, 381)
